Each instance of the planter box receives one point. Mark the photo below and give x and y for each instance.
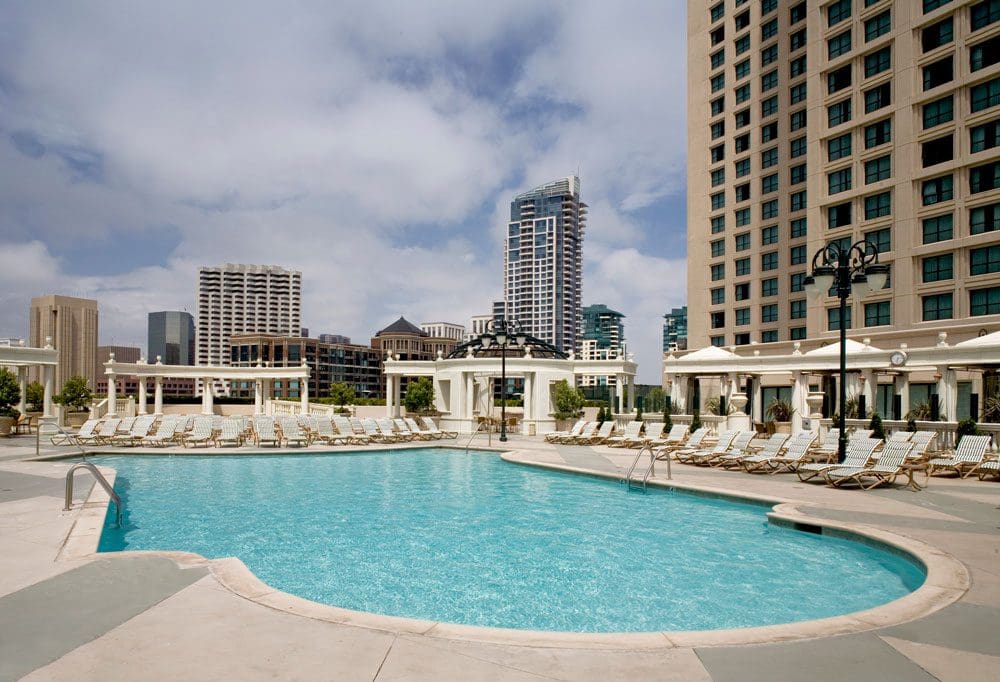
(76, 419)
(6, 425)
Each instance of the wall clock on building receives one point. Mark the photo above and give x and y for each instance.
(897, 358)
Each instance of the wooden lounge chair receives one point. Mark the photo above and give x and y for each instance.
(345, 429)
(404, 430)
(603, 432)
(324, 432)
(264, 431)
(201, 434)
(690, 455)
(771, 448)
(433, 428)
(740, 445)
(86, 431)
(796, 452)
(103, 435)
(924, 442)
(554, 436)
(679, 438)
(900, 437)
(885, 469)
(138, 432)
(419, 433)
(388, 430)
(376, 434)
(859, 453)
(969, 456)
(628, 437)
(166, 433)
(588, 431)
(231, 431)
(828, 446)
(291, 432)
(652, 434)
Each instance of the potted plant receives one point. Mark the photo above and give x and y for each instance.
(10, 395)
(568, 401)
(780, 412)
(875, 426)
(76, 398)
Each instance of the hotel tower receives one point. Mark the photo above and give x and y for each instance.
(543, 257)
(812, 122)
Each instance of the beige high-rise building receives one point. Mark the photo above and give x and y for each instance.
(810, 122)
(72, 325)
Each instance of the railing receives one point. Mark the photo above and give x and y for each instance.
(482, 426)
(945, 430)
(99, 409)
(124, 407)
(712, 422)
(100, 479)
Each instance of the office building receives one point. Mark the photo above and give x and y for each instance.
(543, 259)
(245, 299)
(334, 338)
(444, 330)
(170, 336)
(843, 121)
(478, 325)
(675, 329)
(72, 325)
(602, 337)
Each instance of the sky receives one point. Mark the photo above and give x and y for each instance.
(375, 146)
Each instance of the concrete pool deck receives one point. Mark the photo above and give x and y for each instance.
(66, 613)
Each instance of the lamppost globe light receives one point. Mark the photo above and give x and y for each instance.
(859, 285)
(877, 275)
(501, 338)
(486, 340)
(824, 277)
(812, 289)
(521, 339)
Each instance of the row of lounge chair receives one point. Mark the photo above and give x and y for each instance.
(208, 430)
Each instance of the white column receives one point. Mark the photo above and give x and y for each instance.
(800, 389)
(22, 384)
(758, 409)
(142, 395)
(620, 386)
(48, 373)
(398, 391)
(258, 398)
(902, 384)
(206, 397)
(304, 394)
(390, 396)
(869, 390)
(112, 397)
(529, 403)
(470, 396)
(158, 396)
(948, 393)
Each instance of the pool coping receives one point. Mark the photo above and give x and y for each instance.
(947, 579)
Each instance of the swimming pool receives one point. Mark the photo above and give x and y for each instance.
(441, 535)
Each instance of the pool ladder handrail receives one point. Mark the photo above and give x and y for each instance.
(650, 470)
(89, 466)
(54, 423)
(479, 427)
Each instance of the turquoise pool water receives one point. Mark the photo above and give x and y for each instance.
(441, 535)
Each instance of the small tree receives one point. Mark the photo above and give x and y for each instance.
(695, 420)
(780, 410)
(419, 395)
(602, 416)
(911, 425)
(342, 394)
(35, 396)
(667, 421)
(875, 425)
(966, 427)
(10, 393)
(568, 400)
(638, 414)
(75, 394)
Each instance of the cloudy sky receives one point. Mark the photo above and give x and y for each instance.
(375, 146)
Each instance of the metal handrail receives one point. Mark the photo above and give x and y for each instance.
(479, 427)
(51, 421)
(89, 466)
(628, 474)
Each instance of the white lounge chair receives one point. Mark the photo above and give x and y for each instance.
(900, 437)
(166, 433)
(968, 457)
(888, 466)
(324, 432)
(104, 433)
(859, 453)
(86, 432)
(651, 434)
(264, 431)
(375, 434)
(603, 432)
(828, 446)
(386, 427)
(433, 428)
(420, 433)
(771, 448)
(629, 436)
(740, 444)
(345, 428)
(231, 431)
(796, 452)
(574, 431)
(404, 430)
(201, 433)
(588, 431)
(679, 438)
(291, 432)
(924, 442)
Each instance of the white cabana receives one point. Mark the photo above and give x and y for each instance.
(20, 358)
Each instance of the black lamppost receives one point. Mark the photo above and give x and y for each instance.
(504, 334)
(852, 269)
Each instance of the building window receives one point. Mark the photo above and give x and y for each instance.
(838, 113)
(838, 45)
(797, 67)
(718, 295)
(839, 215)
(877, 314)
(878, 205)
(984, 178)
(839, 181)
(938, 229)
(769, 157)
(769, 30)
(718, 129)
(838, 80)
(984, 54)
(742, 167)
(878, 25)
(878, 133)
(718, 106)
(718, 35)
(984, 301)
(797, 93)
(768, 132)
(742, 316)
(718, 11)
(718, 248)
(797, 174)
(797, 13)
(742, 291)
(718, 200)
(931, 5)
(796, 282)
(769, 287)
(797, 255)
(769, 183)
(718, 153)
(984, 260)
(937, 151)
(936, 35)
(769, 209)
(769, 107)
(796, 147)
(742, 217)
(769, 312)
(838, 12)
(769, 55)
(768, 6)
(939, 111)
(769, 81)
(718, 59)
(742, 69)
(798, 201)
(880, 239)
(877, 97)
(937, 307)
(743, 241)
(938, 73)
(742, 267)
(797, 333)
(741, 339)
(718, 82)
(769, 336)
(937, 268)
(936, 190)
(769, 261)
(985, 95)
(984, 13)
(833, 318)
(769, 235)
(742, 192)
(984, 219)
(797, 120)
(718, 319)
(718, 272)
(797, 40)
(838, 147)
(878, 169)
(718, 224)
(798, 228)
(742, 20)
(742, 143)
(742, 44)
(984, 136)
(797, 309)
(877, 62)
(718, 341)
(718, 177)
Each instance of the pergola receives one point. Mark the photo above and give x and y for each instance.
(261, 375)
(20, 358)
(462, 383)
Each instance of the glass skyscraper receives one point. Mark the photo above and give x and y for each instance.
(171, 337)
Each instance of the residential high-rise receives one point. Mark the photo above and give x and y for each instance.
(170, 336)
(604, 326)
(245, 299)
(72, 324)
(543, 259)
(675, 329)
(813, 122)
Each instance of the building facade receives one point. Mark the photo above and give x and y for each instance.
(444, 330)
(675, 329)
(846, 121)
(406, 341)
(170, 336)
(245, 299)
(72, 325)
(602, 337)
(360, 367)
(543, 260)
